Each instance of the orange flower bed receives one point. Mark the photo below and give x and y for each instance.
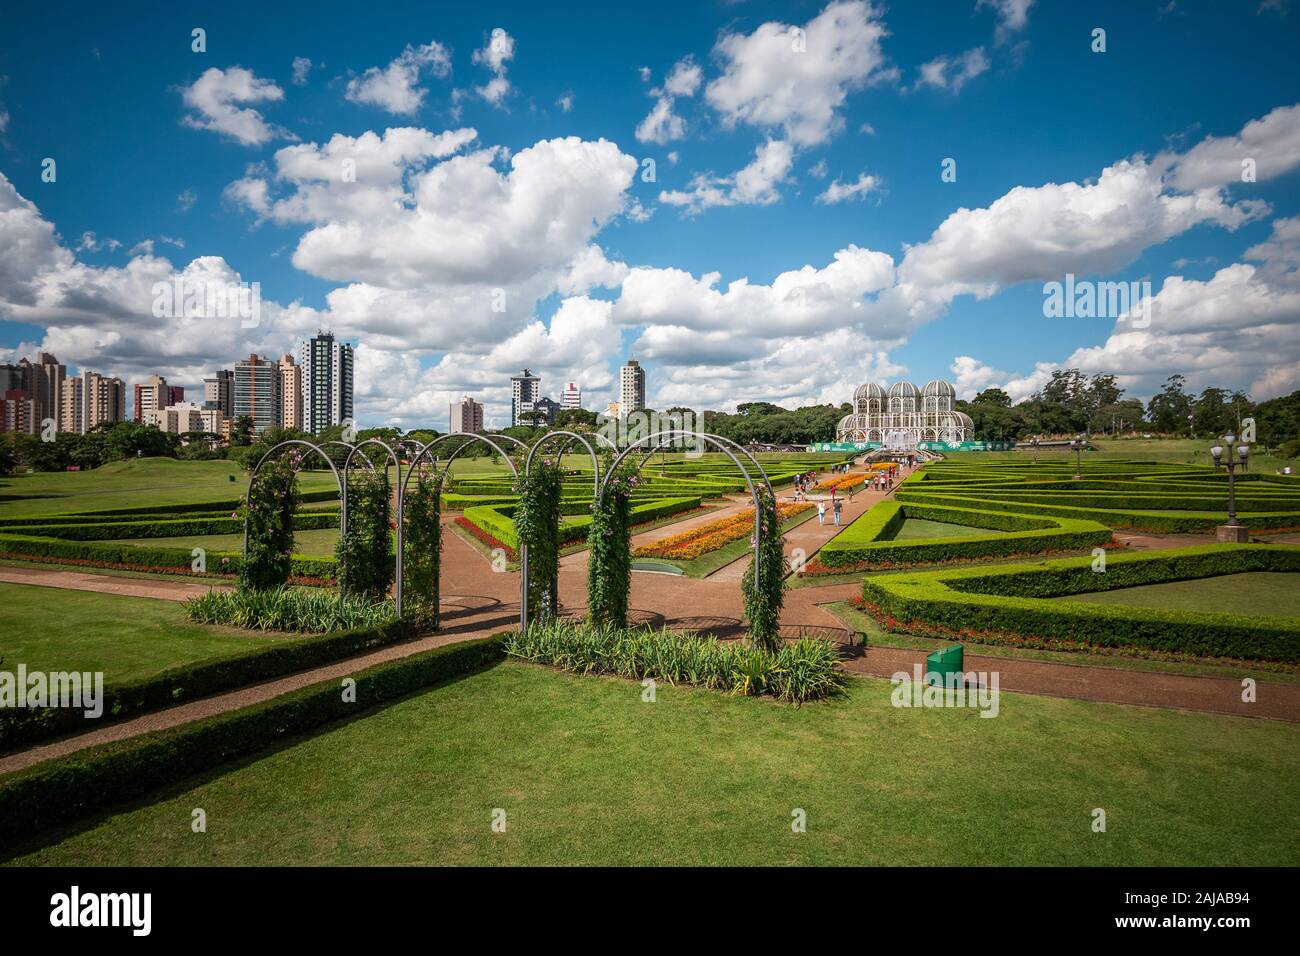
(709, 537)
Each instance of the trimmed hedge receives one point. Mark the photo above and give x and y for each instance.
(1171, 522)
(496, 520)
(168, 528)
(66, 788)
(1009, 603)
(192, 681)
(867, 541)
(97, 554)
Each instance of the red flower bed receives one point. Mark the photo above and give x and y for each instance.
(486, 538)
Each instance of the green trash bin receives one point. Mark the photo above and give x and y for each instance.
(942, 663)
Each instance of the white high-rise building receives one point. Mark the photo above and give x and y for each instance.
(326, 382)
(571, 397)
(525, 390)
(631, 387)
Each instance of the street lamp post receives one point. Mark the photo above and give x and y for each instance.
(1234, 531)
(1077, 445)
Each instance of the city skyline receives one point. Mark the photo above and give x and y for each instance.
(933, 175)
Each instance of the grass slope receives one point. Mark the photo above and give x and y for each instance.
(588, 773)
(128, 484)
(125, 637)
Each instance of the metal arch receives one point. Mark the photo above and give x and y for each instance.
(744, 451)
(256, 468)
(596, 489)
(470, 435)
(672, 434)
(571, 436)
(396, 461)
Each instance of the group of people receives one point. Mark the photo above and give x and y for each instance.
(837, 505)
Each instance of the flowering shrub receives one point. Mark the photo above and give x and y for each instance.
(268, 511)
(713, 535)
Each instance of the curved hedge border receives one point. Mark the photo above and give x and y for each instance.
(192, 681)
(866, 542)
(496, 519)
(1010, 601)
(1133, 495)
(65, 788)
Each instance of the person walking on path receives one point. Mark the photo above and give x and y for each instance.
(821, 512)
(837, 504)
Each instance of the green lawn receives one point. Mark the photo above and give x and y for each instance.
(1257, 592)
(913, 528)
(131, 484)
(321, 541)
(126, 638)
(589, 774)
(1169, 451)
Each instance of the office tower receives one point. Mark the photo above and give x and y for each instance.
(571, 397)
(218, 392)
(326, 382)
(150, 397)
(525, 389)
(256, 388)
(465, 416)
(631, 387)
(290, 393)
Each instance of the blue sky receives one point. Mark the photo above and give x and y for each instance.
(158, 158)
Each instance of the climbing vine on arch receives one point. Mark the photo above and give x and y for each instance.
(763, 602)
(365, 551)
(537, 523)
(268, 513)
(609, 552)
(422, 548)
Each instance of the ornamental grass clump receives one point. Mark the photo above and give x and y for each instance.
(801, 671)
(287, 609)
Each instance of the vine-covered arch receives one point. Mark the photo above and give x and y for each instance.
(272, 450)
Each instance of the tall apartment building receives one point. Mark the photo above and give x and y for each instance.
(548, 407)
(465, 416)
(18, 411)
(571, 397)
(631, 387)
(525, 390)
(256, 392)
(152, 396)
(219, 392)
(175, 394)
(42, 381)
(326, 382)
(91, 399)
(290, 393)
